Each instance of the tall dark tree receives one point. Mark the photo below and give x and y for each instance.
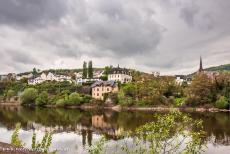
(90, 69)
(35, 71)
(84, 74)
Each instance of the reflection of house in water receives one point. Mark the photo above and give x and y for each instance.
(109, 129)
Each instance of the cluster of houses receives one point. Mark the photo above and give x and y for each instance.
(99, 87)
(48, 77)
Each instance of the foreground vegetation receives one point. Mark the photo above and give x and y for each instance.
(36, 146)
(171, 133)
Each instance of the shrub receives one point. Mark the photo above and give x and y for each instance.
(222, 103)
(10, 93)
(15, 140)
(86, 98)
(61, 102)
(180, 101)
(74, 99)
(42, 99)
(29, 96)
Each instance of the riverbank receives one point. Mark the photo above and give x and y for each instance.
(119, 108)
(6, 148)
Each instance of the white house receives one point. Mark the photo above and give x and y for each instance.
(35, 81)
(183, 78)
(80, 81)
(98, 74)
(27, 76)
(156, 74)
(49, 77)
(120, 74)
(78, 75)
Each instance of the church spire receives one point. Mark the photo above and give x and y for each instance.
(201, 65)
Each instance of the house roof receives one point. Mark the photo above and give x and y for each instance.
(119, 70)
(103, 83)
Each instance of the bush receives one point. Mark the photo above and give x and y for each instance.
(29, 96)
(222, 103)
(61, 102)
(86, 98)
(74, 99)
(180, 101)
(10, 93)
(42, 99)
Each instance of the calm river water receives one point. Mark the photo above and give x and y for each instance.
(75, 129)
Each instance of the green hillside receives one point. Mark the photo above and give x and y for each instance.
(225, 67)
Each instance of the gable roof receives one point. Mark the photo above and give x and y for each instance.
(119, 70)
(103, 83)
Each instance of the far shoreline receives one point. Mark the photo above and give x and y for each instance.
(119, 108)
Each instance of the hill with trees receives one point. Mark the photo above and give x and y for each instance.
(225, 67)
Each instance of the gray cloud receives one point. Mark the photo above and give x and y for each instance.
(167, 36)
(23, 57)
(30, 12)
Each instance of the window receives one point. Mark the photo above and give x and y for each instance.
(97, 89)
(107, 89)
(118, 76)
(97, 94)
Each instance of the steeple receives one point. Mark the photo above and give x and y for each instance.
(201, 65)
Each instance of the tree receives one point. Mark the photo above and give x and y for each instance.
(84, 75)
(90, 69)
(107, 70)
(29, 96)
(74, 99)
(42, 99)
(34, 72)
(201, 91)
(222, 103)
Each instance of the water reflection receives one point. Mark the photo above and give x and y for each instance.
(113, 125)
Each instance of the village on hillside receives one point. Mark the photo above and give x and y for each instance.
(102, 81)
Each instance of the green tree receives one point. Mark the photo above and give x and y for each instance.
(34, 72)
(201, 91)
(74, 99)
(90, 69)
(42, 99)
(222, 103)
(107, 70)
(85, 71)
(29, 96)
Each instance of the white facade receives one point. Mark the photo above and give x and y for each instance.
(81, 80)
(156, 74)
(49, 77)
(78, 75)
(35, 81)
(98, 74)
(123, 78)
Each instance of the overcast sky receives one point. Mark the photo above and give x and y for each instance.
(149, 35)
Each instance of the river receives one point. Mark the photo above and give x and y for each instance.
(74, 129)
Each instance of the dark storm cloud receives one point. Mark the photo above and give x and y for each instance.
(30, 12)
